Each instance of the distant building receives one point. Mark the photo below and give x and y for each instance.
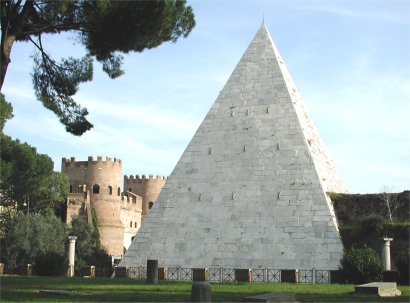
(97, 184)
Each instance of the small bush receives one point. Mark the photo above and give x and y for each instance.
(51, 264)
(402, 263)
(361, 265)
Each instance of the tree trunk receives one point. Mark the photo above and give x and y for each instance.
(11, 23)
(6, 45)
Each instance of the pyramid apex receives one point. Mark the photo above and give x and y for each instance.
(263, 27)
(263, 34)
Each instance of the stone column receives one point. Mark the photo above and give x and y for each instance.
(386, 254)
(71, 255)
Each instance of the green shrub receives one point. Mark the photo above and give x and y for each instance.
(361, 265)
(373, 224)
(51, 264)
(402, 263)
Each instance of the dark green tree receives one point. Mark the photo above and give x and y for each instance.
(361, 265)
(33, 237)
(27, 178)
(403, 266)
(6, 112)
(105, 28)
(88, 249)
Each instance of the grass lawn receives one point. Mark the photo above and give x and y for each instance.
(26, 289)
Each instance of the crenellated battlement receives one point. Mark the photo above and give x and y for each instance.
(119, 208)
(130, 197)
(144, 178)
(108, 161)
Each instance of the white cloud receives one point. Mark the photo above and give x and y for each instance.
(360, 9)
(363, 118)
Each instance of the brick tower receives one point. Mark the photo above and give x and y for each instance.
(147, 188)
(102, 180)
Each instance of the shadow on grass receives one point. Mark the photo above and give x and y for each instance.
(26, 289)
(309, 297)
(150, 296)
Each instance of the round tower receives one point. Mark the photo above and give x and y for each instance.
(103, 180)
(147, 188)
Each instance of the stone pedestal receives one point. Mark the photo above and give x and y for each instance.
(200, 274)
(243, 275)
(201, 292)
(71, 255)
(382, 289)
(386, 254)
(152, 272)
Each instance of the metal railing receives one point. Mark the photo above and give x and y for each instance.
(228, 275)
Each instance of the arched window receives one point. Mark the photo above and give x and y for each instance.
(150, 204)
(71, 188)
(96, 189)
(108, 190)
(135, 224)
(118, 191)
(130, 190)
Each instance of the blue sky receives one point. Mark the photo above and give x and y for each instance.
(350, 61)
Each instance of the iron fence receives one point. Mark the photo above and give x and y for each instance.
(322, 276)
(139, 273)
(273, 275)
(227, 275)
(11, 269)
(306, 276)
(216, 274)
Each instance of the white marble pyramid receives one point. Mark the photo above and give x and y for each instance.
(250, 189)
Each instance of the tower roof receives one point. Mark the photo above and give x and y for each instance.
(250, 189)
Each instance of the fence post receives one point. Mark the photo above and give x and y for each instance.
(152, 272)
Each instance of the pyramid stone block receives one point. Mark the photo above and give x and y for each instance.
(249, 191)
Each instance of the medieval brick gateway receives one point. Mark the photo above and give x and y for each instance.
(120, 212)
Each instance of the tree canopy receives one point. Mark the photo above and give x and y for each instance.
(88, 248)
(28, 179)
(6, 112)
(32, 237)
(105, 28)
